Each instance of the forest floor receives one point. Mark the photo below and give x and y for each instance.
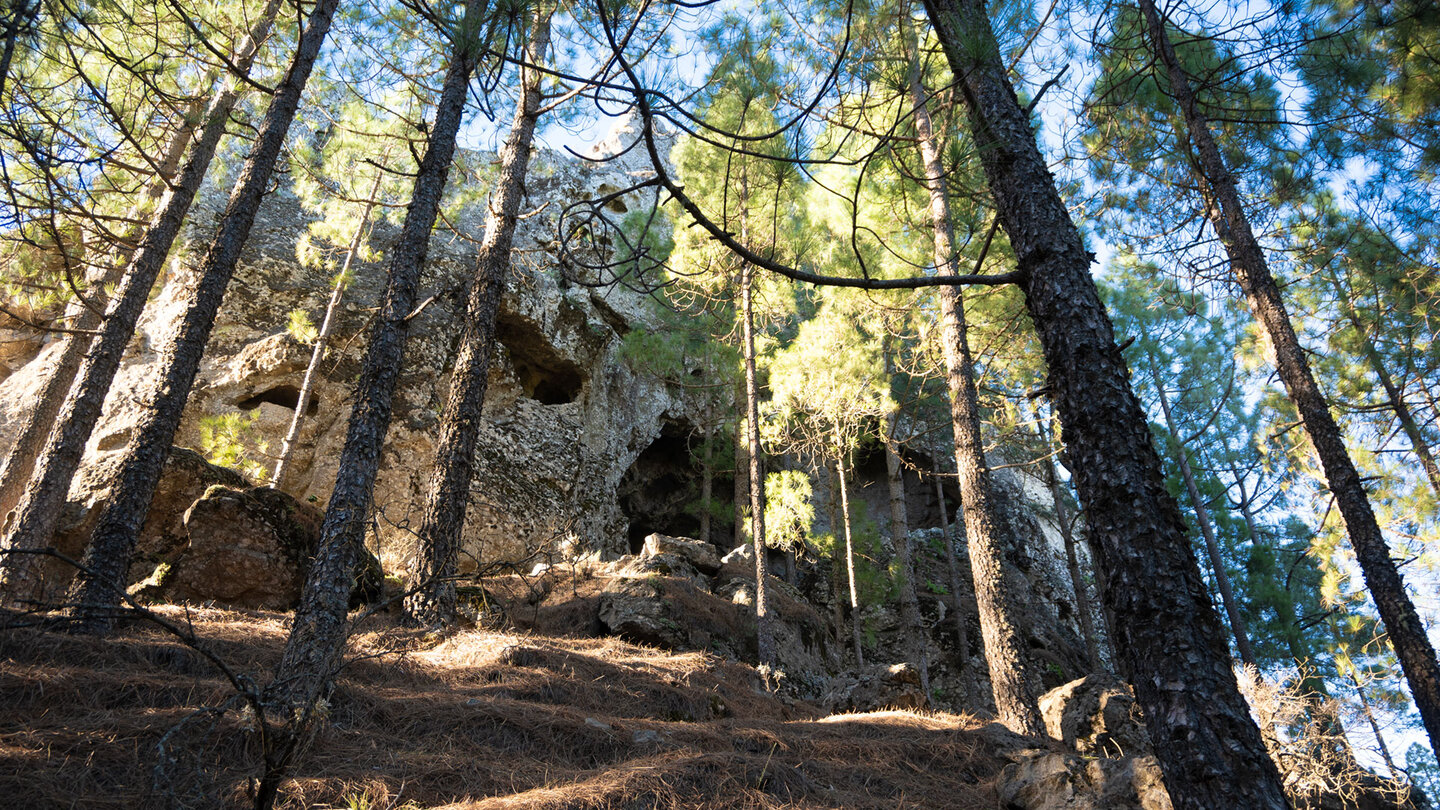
(479, 719)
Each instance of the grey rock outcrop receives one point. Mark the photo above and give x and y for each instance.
(1048, 780)
(698, 553)
(1095, 716)
(661, 597)
(565, 419)
(184, 479)
(250, 548)
(876, 688)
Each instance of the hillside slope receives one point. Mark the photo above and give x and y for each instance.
(480, 719)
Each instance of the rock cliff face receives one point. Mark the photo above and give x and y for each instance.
(566, 417)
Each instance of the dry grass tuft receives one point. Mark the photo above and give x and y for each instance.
(479, 719)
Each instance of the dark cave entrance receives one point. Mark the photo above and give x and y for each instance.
(544, 375)
(661, 490)
(286, 396)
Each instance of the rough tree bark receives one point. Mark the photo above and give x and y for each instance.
(39, 509)
(101, 579)
(432, 602)
(999, 629)
(1167, 635)
(1226, 212)
(1207, 529)
(317, 634)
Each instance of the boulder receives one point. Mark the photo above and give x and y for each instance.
(249, 548)
(185, 477)
(1095, 716)
(740, 555)
(665, 565)
(876, 688)
(633, 608)
(1049, 780)
(700, 554)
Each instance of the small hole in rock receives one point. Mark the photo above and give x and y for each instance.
(286, 396)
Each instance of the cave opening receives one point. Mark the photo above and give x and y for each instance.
(548, 386)
(543, 374)
(661, 490)
(286, 396)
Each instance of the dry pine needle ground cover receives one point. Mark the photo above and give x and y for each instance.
(481, 719)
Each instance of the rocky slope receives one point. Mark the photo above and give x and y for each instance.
(487, 719)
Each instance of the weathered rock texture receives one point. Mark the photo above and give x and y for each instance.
(566, 418)
(250, 548)
(1095, 716)
(579, 449)
(1047, 780)
(678, 594)
(185, 478)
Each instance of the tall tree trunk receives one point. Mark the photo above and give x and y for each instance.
(101, 580)
(741, 490)
(317, 634)
(999, 624)
(707, 476)
(764, 632)
(1207, 530)
(39, 509)
(322, 339)
(952, 567)
(86, 317)
(836, 580)
(1171, 644)
(913, 631)
(1227, 215)
(849, 550)
(433, 600)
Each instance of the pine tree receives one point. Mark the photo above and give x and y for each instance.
(432, 602)
(1177, 352)
(1210, 751)
(338, 160)
(1004, 651)
(1230, 221)
(39, 509)
(101, 580)
(749, 182)
(317, 636)
(827, 386)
